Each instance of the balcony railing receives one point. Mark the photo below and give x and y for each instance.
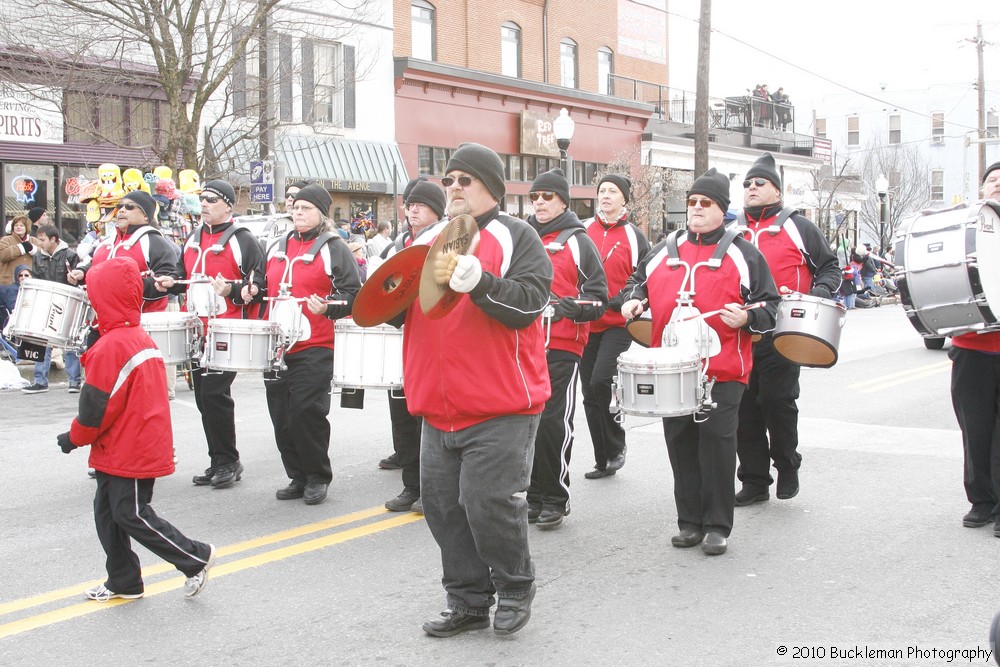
(729, 113)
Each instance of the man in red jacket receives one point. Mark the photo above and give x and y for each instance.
(124, 416)
(478, 378)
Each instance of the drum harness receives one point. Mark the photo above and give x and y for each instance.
(685, 304)
(552, 248)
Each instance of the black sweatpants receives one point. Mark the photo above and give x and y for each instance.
(703, 460)
(975, 395)
(299, 402)
(598, 367)
(121, 514)
(554, 440)
(769, 417)
(214, 398)
(405, 439)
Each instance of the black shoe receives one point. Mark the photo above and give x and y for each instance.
(513, 614)
(533, 513)
(550, 518)
(996, 529)
(617, 462)
(403, 502)
(227, 475)
(35, 389)
(749, 495)
(714, 544)
(295, 489)
(597, 473)
(206, 479)
(390, 462)
(452, 623)
(688, 537)
(314, 493)
(91, 473)
(788, 484)
(977, 518)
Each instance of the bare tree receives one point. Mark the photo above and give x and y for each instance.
(909, 185)
(827, 182)
(187, 49)
(653, 190)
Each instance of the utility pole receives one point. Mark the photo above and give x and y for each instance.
(981, 97)
(701, 90)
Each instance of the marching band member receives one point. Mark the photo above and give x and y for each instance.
(477, 376)
(308, 263)
(975, 392)
(702, 448)
(621, 245)
(425, 204)
(227, 256)
(578, 276)
(800, 260)
(136, 236)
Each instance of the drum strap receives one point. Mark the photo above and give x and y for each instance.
(223, 240)
(561, 239)
(139, 233)
(314, 249)
(783, 215)
(720, 251)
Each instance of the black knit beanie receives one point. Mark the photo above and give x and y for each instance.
(428, 193)
(145, 202)
(36, 213)
(317, 196)
(992, 167)
(222, 189)
(620, 182)
(298, 184)
(409, 186)
(555, 181)
(764, 167)
(713, 185)
(479, 161)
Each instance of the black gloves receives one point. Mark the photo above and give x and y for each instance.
(821, 292)
(616, 303)
(64, 442)
(27, 246)
(567, 307)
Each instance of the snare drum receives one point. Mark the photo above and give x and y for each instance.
(178, 335)
(241, 345)
(367, 358)
(949, 275)
(50, 314)
(658, 381)
(807, 330)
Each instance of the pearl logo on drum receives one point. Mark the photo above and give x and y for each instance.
(986, 224)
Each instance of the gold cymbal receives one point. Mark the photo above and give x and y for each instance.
(459, 237)
(391, 288)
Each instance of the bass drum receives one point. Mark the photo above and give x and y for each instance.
(949, 269)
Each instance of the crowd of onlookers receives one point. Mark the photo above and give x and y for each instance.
(867, 278)
(772, 110)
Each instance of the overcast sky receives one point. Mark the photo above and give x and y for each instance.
(811, 47)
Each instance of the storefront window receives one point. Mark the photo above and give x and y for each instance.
(364, 215)
(26, 186)
(73, 214)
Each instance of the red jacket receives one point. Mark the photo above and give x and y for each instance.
(797, 254)
(486, 358)
(986, 342)
(124, 412)
(621, 245)
(151, 252)
(236, 261)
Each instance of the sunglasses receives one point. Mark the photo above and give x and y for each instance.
(704, 203)
(24, 275)
(208, 199)
(759, 182)
(464, 181)
(128, 207)
(547, 196)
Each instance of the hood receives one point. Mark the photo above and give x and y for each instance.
(62, 246)
(22, 267)
(563, 221)
(115, 291)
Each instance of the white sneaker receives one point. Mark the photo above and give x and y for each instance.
(100, 593)
(194, 585)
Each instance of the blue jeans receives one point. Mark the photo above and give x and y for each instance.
(72, 367)
(472, 484)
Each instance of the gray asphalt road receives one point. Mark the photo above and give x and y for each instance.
(871, 556)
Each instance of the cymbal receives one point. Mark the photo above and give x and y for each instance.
(459, 237)
(641, 330)
(391, 288)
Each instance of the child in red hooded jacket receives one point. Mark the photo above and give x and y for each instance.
(124, 416)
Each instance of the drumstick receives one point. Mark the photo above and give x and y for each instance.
(749, 306)
(333, 302)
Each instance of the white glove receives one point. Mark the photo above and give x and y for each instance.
(467, 274)
(631, 309)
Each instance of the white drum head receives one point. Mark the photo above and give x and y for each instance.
(691, 333)
(203, 301)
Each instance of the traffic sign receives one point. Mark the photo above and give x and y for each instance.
(261, 193)
(262, 172)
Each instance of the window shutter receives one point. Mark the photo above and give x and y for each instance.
(349, 101)
(308, 79)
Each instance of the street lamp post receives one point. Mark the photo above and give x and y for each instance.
(562, 128)
(882, 189)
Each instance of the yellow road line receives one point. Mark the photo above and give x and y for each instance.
(902, 377)
(160, 568)
(89, 607)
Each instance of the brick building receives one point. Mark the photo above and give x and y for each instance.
(498, 72)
